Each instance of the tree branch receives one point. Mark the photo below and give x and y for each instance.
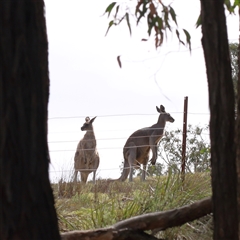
(108, 234)
(134, 228)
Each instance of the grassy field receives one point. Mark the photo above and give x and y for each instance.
(84, 207)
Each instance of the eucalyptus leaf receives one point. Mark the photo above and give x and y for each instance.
(110, 8)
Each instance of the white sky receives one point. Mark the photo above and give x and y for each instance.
(85, 79)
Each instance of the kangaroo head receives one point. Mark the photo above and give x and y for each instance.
(164, 114)
(88, 124)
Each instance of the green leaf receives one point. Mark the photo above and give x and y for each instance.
(110, 7)
(178, 36)
(165, 10)
(160, 23)
(199, 21)
(229, 6)
(237, 3)
(143, 11)
(140, 16)
(128, 23)
(151, 23)
(188, 38)
(109, 26)
(173, 14)
(227, 3)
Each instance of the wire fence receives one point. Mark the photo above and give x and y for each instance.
(107, 145)
(123, 115)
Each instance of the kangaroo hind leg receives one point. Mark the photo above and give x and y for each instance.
(131, 157)
(94, 177)
(75, 176)
(84, 177)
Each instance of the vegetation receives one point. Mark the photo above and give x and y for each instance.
(170, 152)
(84, 207)
(24, 158)
(197, 150)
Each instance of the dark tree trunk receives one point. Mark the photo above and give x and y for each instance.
(27, 204)
(238, 127)
(222, 121)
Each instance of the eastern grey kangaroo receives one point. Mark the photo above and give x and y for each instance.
(86, 158)
(137, 147)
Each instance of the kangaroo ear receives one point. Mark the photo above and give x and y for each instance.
(91, 121)
(161, 109)
(87, 119)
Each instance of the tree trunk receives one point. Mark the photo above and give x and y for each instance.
(222, 121)
(27, 204)
(238, 127)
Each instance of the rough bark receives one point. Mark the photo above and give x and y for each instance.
(108, 234)
(27, 203)
(238, 128)
(222, 121)
(136, 226)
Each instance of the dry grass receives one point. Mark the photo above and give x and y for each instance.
(83, 207)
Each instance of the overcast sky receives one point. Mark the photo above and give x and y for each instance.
(85, 79)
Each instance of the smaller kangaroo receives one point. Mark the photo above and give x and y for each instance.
(86, 159)
(137, 147)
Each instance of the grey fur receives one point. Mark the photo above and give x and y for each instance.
(137, 147)
(86, 158)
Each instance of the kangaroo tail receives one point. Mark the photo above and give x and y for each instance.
(125, 171)
(124, 174)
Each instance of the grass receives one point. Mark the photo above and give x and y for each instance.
(84, 207)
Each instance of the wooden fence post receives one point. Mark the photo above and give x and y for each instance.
(184, 138)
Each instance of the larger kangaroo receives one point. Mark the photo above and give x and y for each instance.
(136, 149)
(86, 158)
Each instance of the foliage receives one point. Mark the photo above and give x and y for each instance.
(231, 5)
(197, 150)
(95, 206)
(159, 17)
(155, 170)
